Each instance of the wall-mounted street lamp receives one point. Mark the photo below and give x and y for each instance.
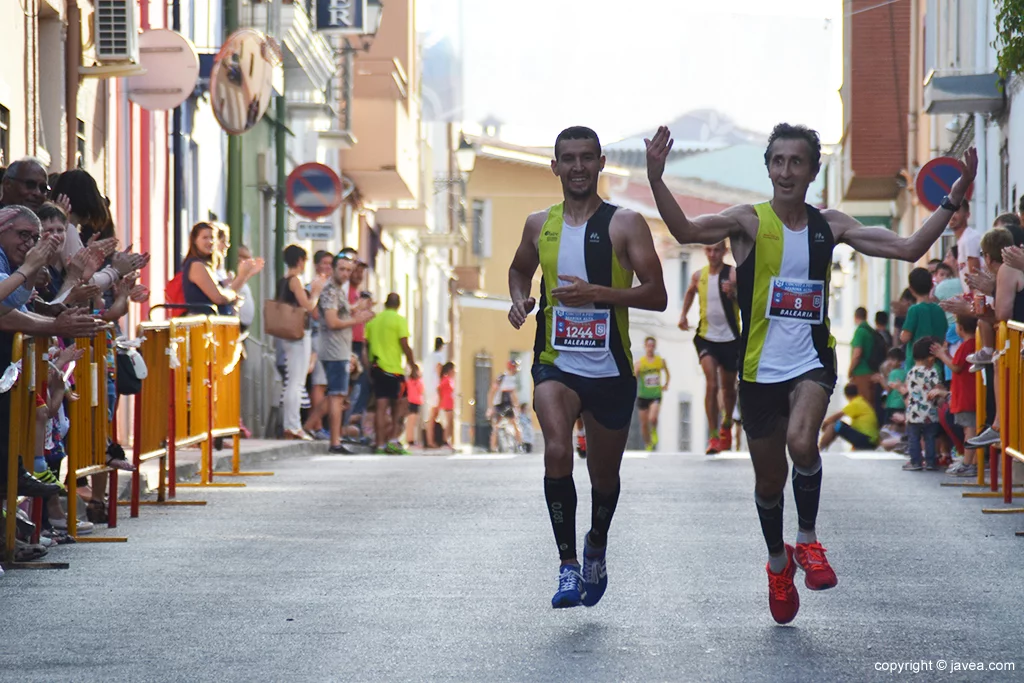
(838, 277)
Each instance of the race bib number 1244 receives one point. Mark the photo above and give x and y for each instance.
(575, 329)
(796, 300)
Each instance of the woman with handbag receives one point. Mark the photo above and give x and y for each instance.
(287, 317)
(199, 283)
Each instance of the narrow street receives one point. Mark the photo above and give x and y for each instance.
(374, 568)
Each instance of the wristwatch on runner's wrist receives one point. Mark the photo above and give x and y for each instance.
(949, 205)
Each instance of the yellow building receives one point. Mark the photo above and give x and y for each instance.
(507, 184)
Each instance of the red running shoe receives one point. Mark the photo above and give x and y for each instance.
(818, 572)
(725, 439)
(783, 600)
(713, 447)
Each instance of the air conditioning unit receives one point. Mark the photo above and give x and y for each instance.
(116, 31)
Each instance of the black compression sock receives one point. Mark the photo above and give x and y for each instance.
(561, 498)
(602, 508)
(807, 493)
(770, 512)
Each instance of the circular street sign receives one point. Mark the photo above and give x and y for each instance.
(172, 70)
(935, 180)
(313, 190)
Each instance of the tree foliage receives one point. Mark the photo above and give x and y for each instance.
(1010, 42)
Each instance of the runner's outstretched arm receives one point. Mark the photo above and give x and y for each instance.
(649, 295)
(520, 273)
(709, 229)
(887, 244)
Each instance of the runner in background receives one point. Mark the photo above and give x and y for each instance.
(717, 342)
(649, 390)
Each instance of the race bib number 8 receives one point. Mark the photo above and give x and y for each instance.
(575, 329)
(796, 300)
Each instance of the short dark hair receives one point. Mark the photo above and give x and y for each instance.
(969, 323)
(935, 262)
(447, 368)
(850, 390)
(923, 348)
(786, 131)
(320, 253)
(1005, 219)
(438, 343)
(393, 300)
(896, 353)
(860, 314)
(920, 281)
(577, 133)
(907, 295)
(945, 268)
(882, 318)
(1020, 207)
(49, 211)
(293, 253)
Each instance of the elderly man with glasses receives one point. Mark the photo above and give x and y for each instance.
(24, 184)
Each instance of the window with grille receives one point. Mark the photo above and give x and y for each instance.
(685, 424)
(481, 228)
(80, 145)
(5, 135)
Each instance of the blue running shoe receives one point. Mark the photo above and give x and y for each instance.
(595, 573)
(570, 587)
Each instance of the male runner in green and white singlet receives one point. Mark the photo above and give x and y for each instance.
(717, 340)
(783, 251)
(588, 251)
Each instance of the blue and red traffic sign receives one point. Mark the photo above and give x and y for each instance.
(313, 190)
(935, 180)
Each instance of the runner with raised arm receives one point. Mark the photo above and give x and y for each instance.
(588, 251)
(783, 251)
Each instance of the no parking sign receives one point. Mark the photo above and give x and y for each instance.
(313, 190)
(935, 180)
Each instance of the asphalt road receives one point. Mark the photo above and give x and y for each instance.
(441, 569)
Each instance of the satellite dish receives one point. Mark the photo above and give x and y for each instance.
(242, 79)
(171, 70)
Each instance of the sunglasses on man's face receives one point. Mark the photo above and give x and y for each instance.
(33, 185)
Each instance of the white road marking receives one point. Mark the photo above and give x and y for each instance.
(873, 455)
(636, 455)
(337, 458)
(482, 456)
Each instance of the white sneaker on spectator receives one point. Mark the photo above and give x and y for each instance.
(979, 359)
(957, 462)
(84, 527)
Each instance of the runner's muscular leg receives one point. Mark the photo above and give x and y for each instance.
(557, 407)
(728, 386)
(710, 367)
(808, 403)
(652, 415)
(604, 453)
(768, 455)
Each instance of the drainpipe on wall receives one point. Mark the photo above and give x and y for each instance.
(72, 59)
(280, 153)
(980, 208)
(234, 180)
(178, 155)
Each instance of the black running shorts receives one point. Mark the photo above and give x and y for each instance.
(608, 399)
(763, 406)
(726, 354)
(386, 385)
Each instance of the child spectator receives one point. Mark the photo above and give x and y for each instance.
(414, 394)
(963, 400)
(525, 427)
(861, 433)
(923, 389)
(51, 428)
(446, 400)
(894, 383)
(924, 319)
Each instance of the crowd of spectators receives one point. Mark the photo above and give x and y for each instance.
(62, 276)
(918, 379)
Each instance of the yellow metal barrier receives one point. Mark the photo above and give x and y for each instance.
(194, 380)
(153, 407)
(228, 345)
(1008, 391)
(90, 430)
